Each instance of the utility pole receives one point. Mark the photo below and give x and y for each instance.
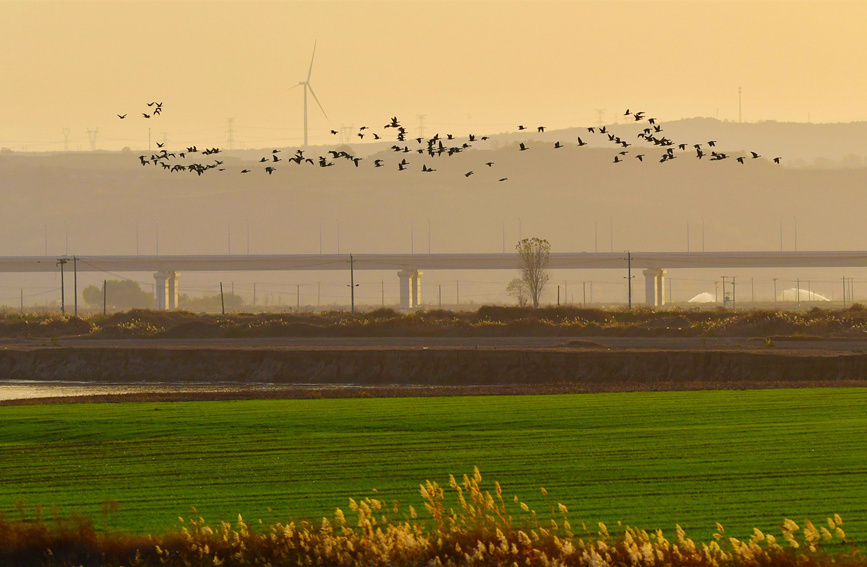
(104, 297)
(66, 139)
(458, 289)
(75, 283)
(798, 290)
(558, 295)
(724, 289)
(62, 262)
(629, 276)
(352, 284)
(222, 300)
(775, 290)
(734, 293)
(796, 233)
(440, 286)
(298, 298)
(22, 300)
(596, 236)
(254, 294)
(584, 299)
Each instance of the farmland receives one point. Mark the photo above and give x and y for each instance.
(652, 459)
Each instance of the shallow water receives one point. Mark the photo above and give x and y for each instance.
(23, 389)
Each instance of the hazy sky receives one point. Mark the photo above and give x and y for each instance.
(466, 66)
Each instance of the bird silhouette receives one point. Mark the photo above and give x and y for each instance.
(489, 163)
(777, 159)
(245, 171)
(467, 174)
(581, 142)
(558, 145)
(523, 147)
(270, 169)
(755, 155)
(146, 115)
(503, 179)
(121, 116)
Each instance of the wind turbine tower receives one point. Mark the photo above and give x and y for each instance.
(308, 87)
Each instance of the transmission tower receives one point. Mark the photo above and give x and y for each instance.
(66, 139)
(91, 134)
(230, 133)
(421, 118)
(346, 133)
(599, 113)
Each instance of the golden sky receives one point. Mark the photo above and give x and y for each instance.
(466, 66)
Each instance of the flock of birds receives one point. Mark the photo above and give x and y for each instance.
(435, 147)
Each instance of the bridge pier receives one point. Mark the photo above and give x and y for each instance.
(166, 290)
(410, 288)
(654, 287)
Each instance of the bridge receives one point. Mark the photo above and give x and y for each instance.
(410, 267)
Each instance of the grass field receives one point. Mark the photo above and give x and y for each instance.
(652, 460)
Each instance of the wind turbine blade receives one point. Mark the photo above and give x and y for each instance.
(292, 87)
(317, 101)
(311, 62)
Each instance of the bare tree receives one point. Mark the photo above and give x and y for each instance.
(534, 253)
(518, 289)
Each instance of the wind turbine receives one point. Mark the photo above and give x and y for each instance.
(310, 88)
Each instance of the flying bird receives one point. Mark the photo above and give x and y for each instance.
(581, 142)
(523, 147)
(121, 116)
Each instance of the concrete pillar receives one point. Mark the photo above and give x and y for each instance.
(161, 290)
(166, 290)
(405, 297)
(650, 290)
(172, 281)
(660, 287)
(416, 288)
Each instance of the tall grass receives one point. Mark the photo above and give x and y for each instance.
(487, 321)
(471, 527)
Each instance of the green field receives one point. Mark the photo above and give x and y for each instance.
(650, 459)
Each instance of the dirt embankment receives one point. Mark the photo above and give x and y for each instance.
(428, 367)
